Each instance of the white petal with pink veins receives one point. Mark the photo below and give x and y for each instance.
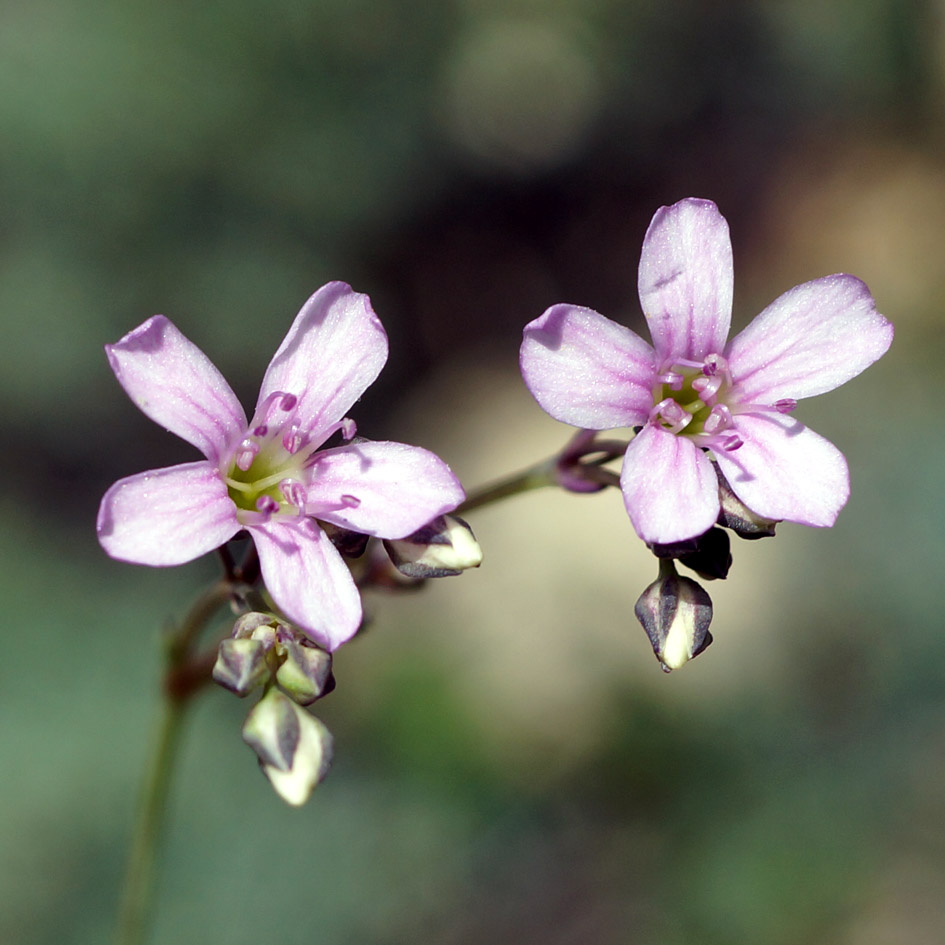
(309, 580)
(669, 487)
(785, 471)
(384, 489)
(812, 339)
(685, 280)
(587, 370)
(333, 352)
(175, 384)
(167, 516)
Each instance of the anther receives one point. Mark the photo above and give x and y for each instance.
(267, 505)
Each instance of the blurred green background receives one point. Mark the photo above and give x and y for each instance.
(511, 763)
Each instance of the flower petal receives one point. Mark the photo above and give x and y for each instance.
(785, 471)
(384, 489)
(334, 350)
(308, 580)
(812, 339)
(587, 370)
(685, 280)
(167, 516)
(669, 487)
(175, 384)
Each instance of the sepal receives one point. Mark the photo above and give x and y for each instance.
(734, 514)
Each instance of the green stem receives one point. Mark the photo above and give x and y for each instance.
(185, 675)
(535, 477)
(135, 908)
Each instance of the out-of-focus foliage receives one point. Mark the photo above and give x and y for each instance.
(511, 764)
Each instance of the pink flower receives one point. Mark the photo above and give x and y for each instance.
(269, 476)
(692, 392)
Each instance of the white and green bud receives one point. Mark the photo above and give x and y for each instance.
(305, 673)
(241, 665)
(442, 548)
(294, 748)
(265, 648)
(675, 613)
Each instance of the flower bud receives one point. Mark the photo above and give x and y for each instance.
(241, 665)
(675, 613)
(293, 747)
(305, 675)
(444, 547)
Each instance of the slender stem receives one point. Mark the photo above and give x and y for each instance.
(185, 674)
(541, 474)
(135, 908)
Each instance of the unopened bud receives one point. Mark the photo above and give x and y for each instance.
(675, 613)
(306, 673)
(293, 747)
(444, 547)
(241, 665)
(734, 514)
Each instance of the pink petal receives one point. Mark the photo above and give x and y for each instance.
(586, 370)
(308, 580)
(175, 384)
(334, 350)
(685, 280)
(167, 516)
(384, 489)
(812, 339)
(785, 471)
(669, 487)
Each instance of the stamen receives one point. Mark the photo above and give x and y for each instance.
(293, 492)
(292, 439)
(707, 387)
(670, 415)
(779, 406)
(719, 419)
(671, 379)
(246, 453)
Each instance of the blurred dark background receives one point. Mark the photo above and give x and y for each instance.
(511, 764)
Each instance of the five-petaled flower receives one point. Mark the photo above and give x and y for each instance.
(692, 392)
(269, 476)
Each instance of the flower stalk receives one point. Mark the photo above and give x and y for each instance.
(186, 672)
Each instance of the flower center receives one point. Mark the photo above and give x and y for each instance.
(270, 468)
(695, 399)
(690, 400)
(266, 473)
